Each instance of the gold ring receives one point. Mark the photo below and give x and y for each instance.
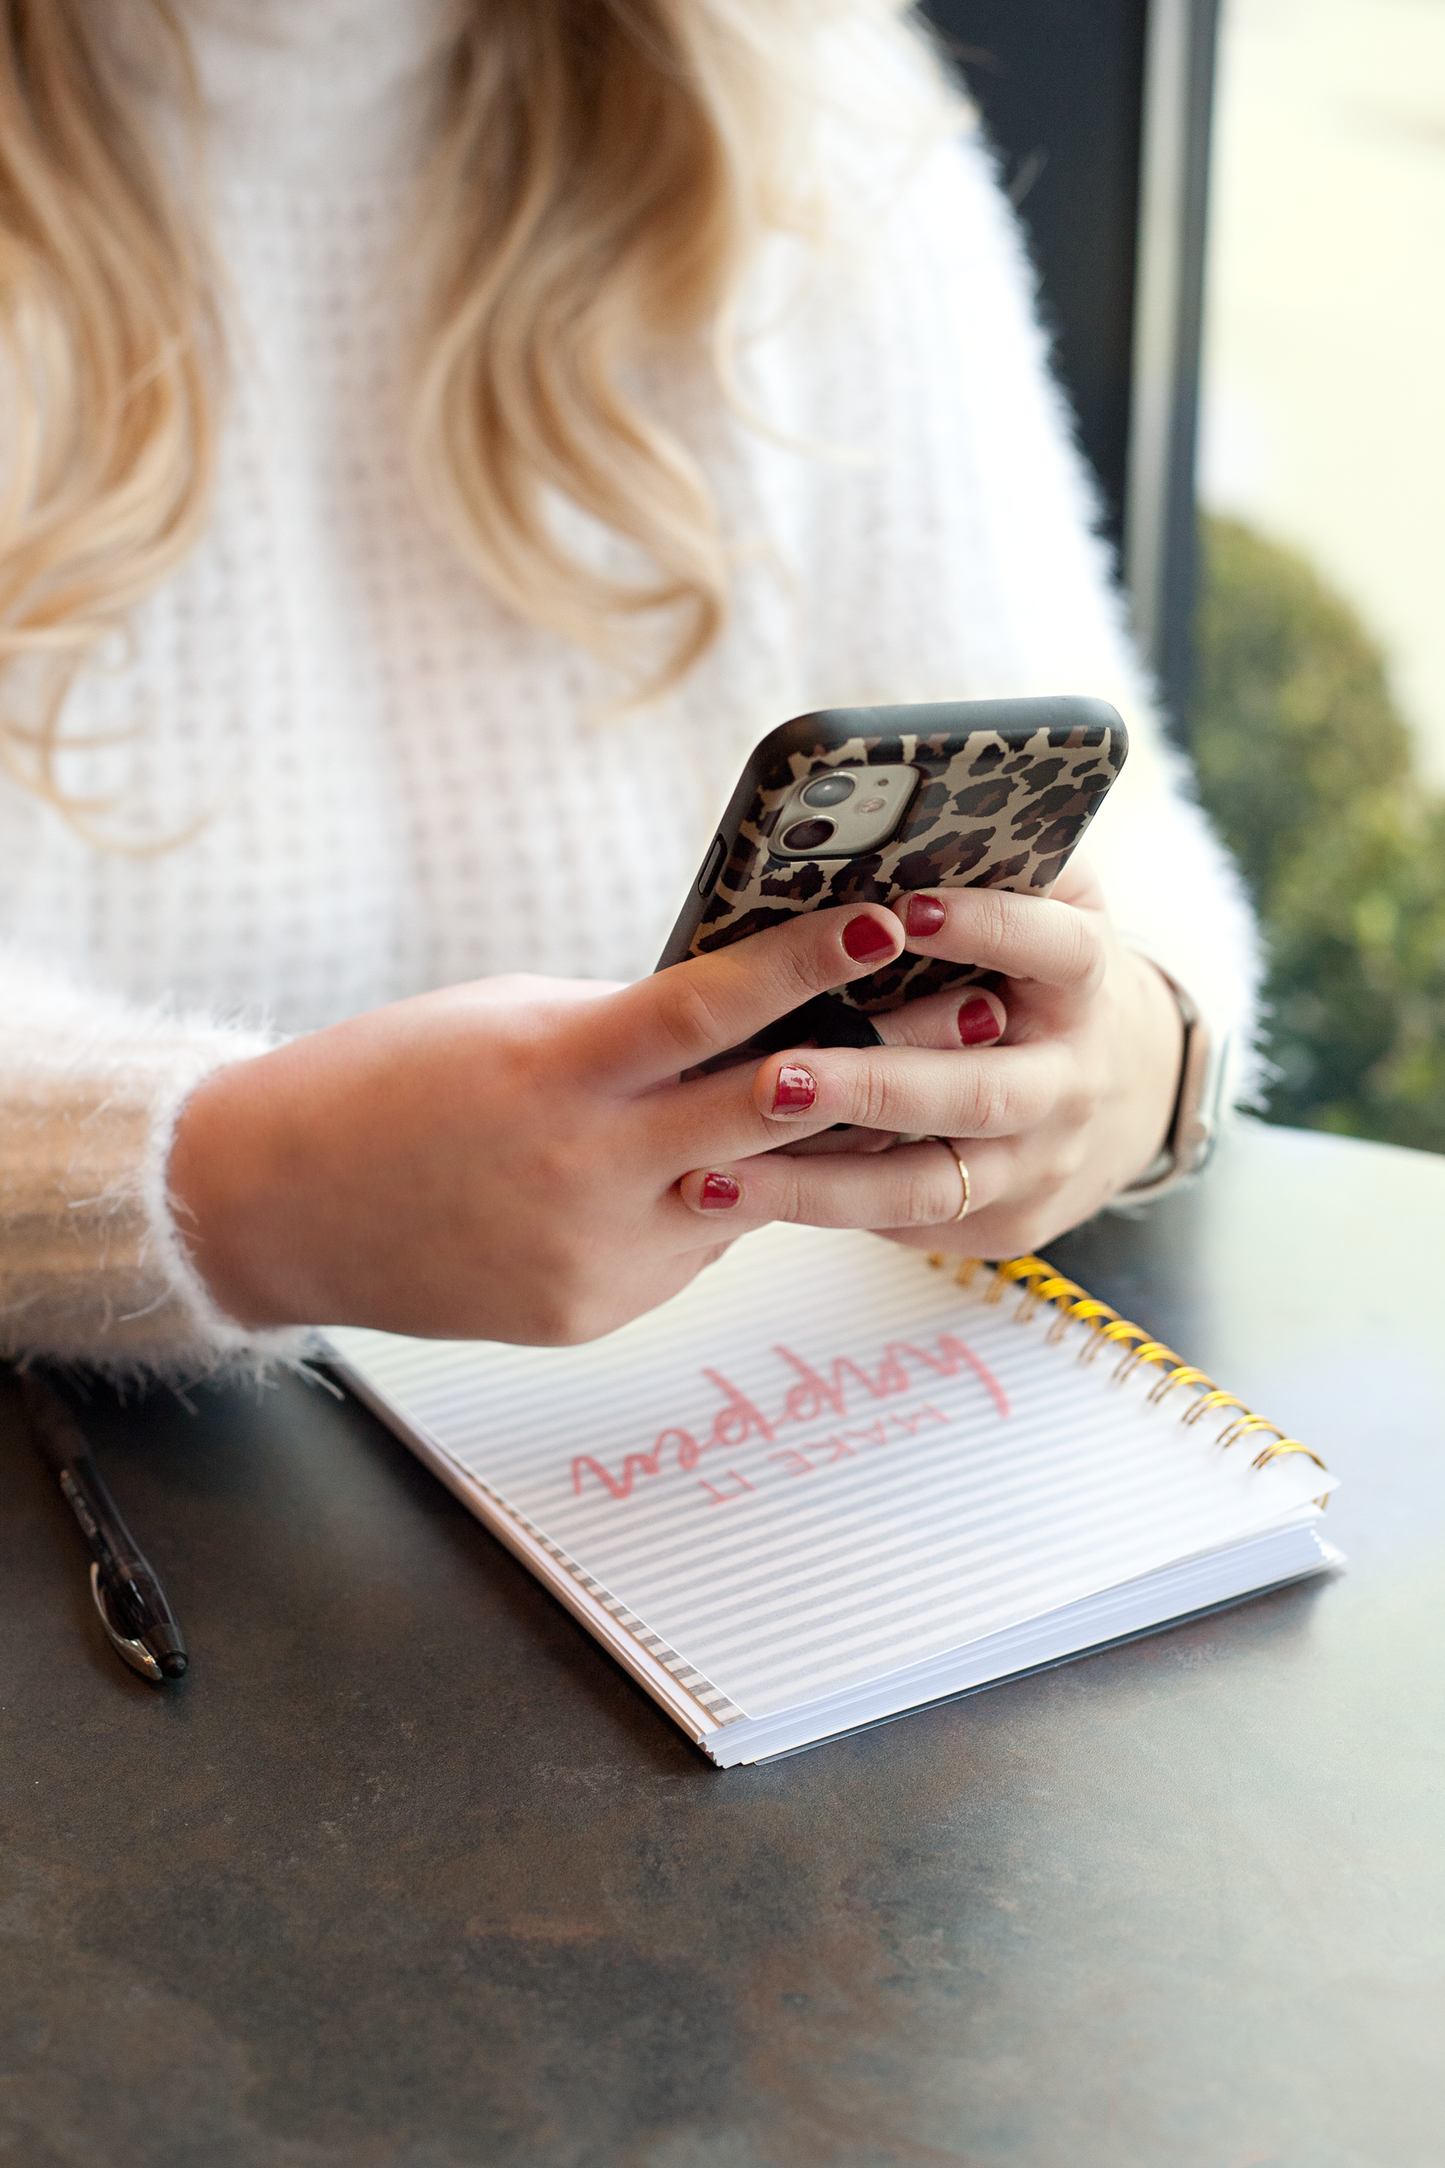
(958, 1215)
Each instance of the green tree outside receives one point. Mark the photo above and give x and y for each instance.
(1306, 767)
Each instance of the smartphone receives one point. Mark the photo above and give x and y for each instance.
(860, 805)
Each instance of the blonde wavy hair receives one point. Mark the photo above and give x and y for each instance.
(602, 176)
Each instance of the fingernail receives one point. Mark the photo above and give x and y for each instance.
(977, 1022)
(925, 915)
(864, 939)
(794, 1091)
(720, 1192)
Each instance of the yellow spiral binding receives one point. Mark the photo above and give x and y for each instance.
(1288, 1445)
(1214, 1398)
(1152, 1351)
(1042, 1285)
(1186, 1374)
(1243, 1426)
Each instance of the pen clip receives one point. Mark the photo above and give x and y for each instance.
(132, 1652)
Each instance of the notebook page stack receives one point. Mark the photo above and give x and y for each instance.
(827, 1483)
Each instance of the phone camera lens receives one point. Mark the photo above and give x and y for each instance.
(828, 790)
(807, 835)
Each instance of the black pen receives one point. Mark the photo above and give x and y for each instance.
(139, 1622)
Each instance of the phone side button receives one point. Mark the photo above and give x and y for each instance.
(712, 866)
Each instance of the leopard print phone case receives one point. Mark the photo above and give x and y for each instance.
(1005, 790)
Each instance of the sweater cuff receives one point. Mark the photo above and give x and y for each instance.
(93, 1270)
(210, 1340)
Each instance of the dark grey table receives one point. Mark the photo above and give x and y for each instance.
(407, 1875)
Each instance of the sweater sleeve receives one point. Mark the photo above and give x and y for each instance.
(92, 1269)
(1059, 622)
(981, 573)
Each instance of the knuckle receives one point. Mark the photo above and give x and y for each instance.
(1066, 1161)
(589, 1321)
(557, 1172)
(576, 1298)
(1075, 1108)
(1083, 948)
(923, 1202)
(870, 1093)
(995, 911)
(574, 1327)
(786, 1197)
(791, 963)
(985, 1105)
(1028, 1227)
(558, 1309)
(930, 1191)
(802, 967)
(568, 1270)
(689, 1010)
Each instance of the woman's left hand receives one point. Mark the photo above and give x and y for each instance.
(1065, 1108)
(1106, 1016)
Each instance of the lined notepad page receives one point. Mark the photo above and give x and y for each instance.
(825, 1460)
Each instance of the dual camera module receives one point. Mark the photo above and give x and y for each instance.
(844, 812)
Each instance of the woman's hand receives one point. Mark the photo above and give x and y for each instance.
(1067, 1107)
(517, 1160)
(501, 1160)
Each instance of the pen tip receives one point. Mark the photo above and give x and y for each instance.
(174, 1663)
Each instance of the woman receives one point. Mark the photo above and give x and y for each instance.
(441, 440)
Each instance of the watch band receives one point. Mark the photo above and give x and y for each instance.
(1194, 1123)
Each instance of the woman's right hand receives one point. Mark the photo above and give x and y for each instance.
(500, 1160)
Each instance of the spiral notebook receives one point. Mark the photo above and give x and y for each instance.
(835, 1480)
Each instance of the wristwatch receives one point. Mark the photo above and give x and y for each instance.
(1194, 1123)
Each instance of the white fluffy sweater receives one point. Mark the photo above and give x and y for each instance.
(385, 781)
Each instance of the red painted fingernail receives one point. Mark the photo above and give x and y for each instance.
(720, 1192)
(976, 1022)
(865, 939)
(794, 1091)
(924, 916)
